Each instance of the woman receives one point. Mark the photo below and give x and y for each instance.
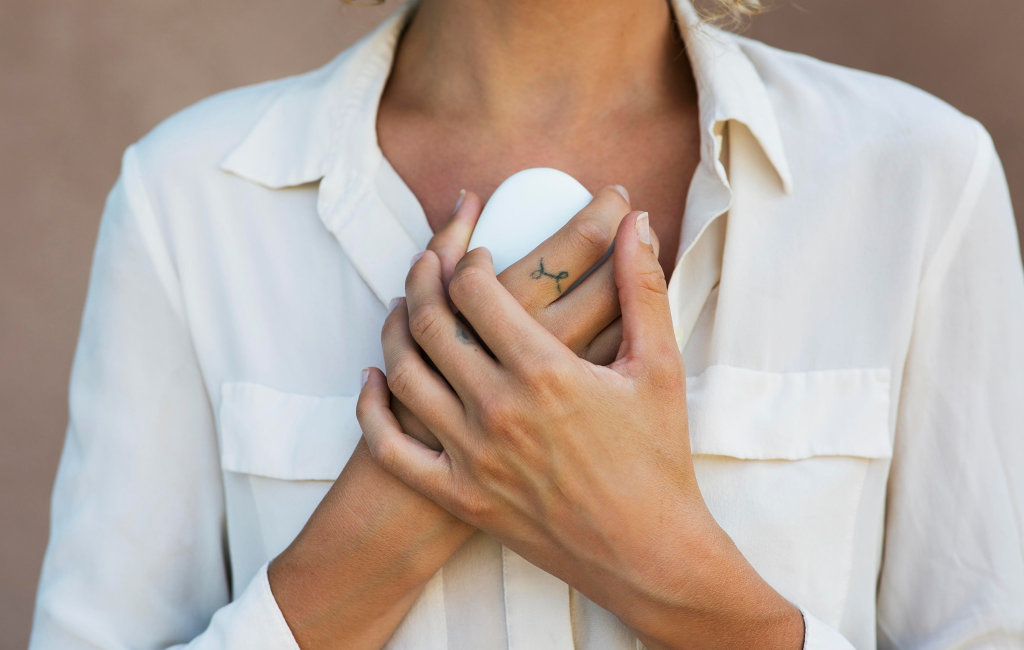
(801, 432)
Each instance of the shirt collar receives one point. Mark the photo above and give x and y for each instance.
(323, 124)
(729, 88)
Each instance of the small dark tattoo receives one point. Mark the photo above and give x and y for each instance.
(463, 335)
(557, 277)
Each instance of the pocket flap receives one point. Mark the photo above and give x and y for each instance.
(790, 415)
(286, 435)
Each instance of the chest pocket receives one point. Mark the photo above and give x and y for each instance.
(286, 436)
(280, 453)
(784, 461)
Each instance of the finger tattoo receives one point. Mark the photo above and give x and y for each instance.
(463, 335)
(543, 273)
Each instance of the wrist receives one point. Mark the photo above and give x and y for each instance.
(364, 555)
(698, 591)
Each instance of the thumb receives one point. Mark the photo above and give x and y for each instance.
(452, 240)
(647, 333)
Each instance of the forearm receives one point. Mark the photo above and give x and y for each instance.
(759, 618)
(673, 602)
(351, 575)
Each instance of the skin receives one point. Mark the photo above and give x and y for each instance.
(583, 469)
(600, 89)
(368, 549)
(479, 90)
(586, 320)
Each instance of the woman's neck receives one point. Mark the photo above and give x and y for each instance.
(540, 65)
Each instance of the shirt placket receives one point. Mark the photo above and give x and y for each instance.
(701, 246)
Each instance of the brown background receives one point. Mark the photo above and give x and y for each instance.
(79, 81)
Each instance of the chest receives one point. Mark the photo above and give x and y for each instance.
(790, 391)
(652, 158)
(785, 460)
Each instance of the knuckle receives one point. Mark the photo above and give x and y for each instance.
(537, 376)
(495, 414)
(478, 257)
(401, 376)
(465, 283)
(546, 375)
(652, 280)
(589, 235)
(424, 321)
(611, 196)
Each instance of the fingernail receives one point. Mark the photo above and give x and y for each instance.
(462, 197)
(643, 228)
(416, 258)
(621, 190)
(394, 303)
(364, 377)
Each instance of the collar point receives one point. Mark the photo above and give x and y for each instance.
(787, 183)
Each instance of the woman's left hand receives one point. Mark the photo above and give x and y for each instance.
(584, 470)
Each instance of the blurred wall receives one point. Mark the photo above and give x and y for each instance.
(79, 81)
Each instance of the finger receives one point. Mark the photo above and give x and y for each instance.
(647, 332)
(452, 348)
(452, 240)
(547, 272)
(422, 468)
(576, 319)
(412, 426)
(603, 350)
(515, 338)
(427, 395)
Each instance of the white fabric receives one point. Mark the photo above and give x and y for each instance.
(849, 300)
(531, 596)
(819, 636)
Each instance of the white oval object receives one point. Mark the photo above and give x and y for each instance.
(527, 208)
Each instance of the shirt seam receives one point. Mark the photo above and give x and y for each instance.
(145, 217)
(934, 269)
(163, 264)
(934, 273)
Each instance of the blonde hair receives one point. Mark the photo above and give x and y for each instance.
(736, 10)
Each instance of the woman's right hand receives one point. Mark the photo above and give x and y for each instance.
(585, 320)
(352, 573)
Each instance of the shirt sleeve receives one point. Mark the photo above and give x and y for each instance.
(819, 636)
(953, 565)
(137, 551)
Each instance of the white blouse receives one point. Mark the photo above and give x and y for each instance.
(848, 298)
